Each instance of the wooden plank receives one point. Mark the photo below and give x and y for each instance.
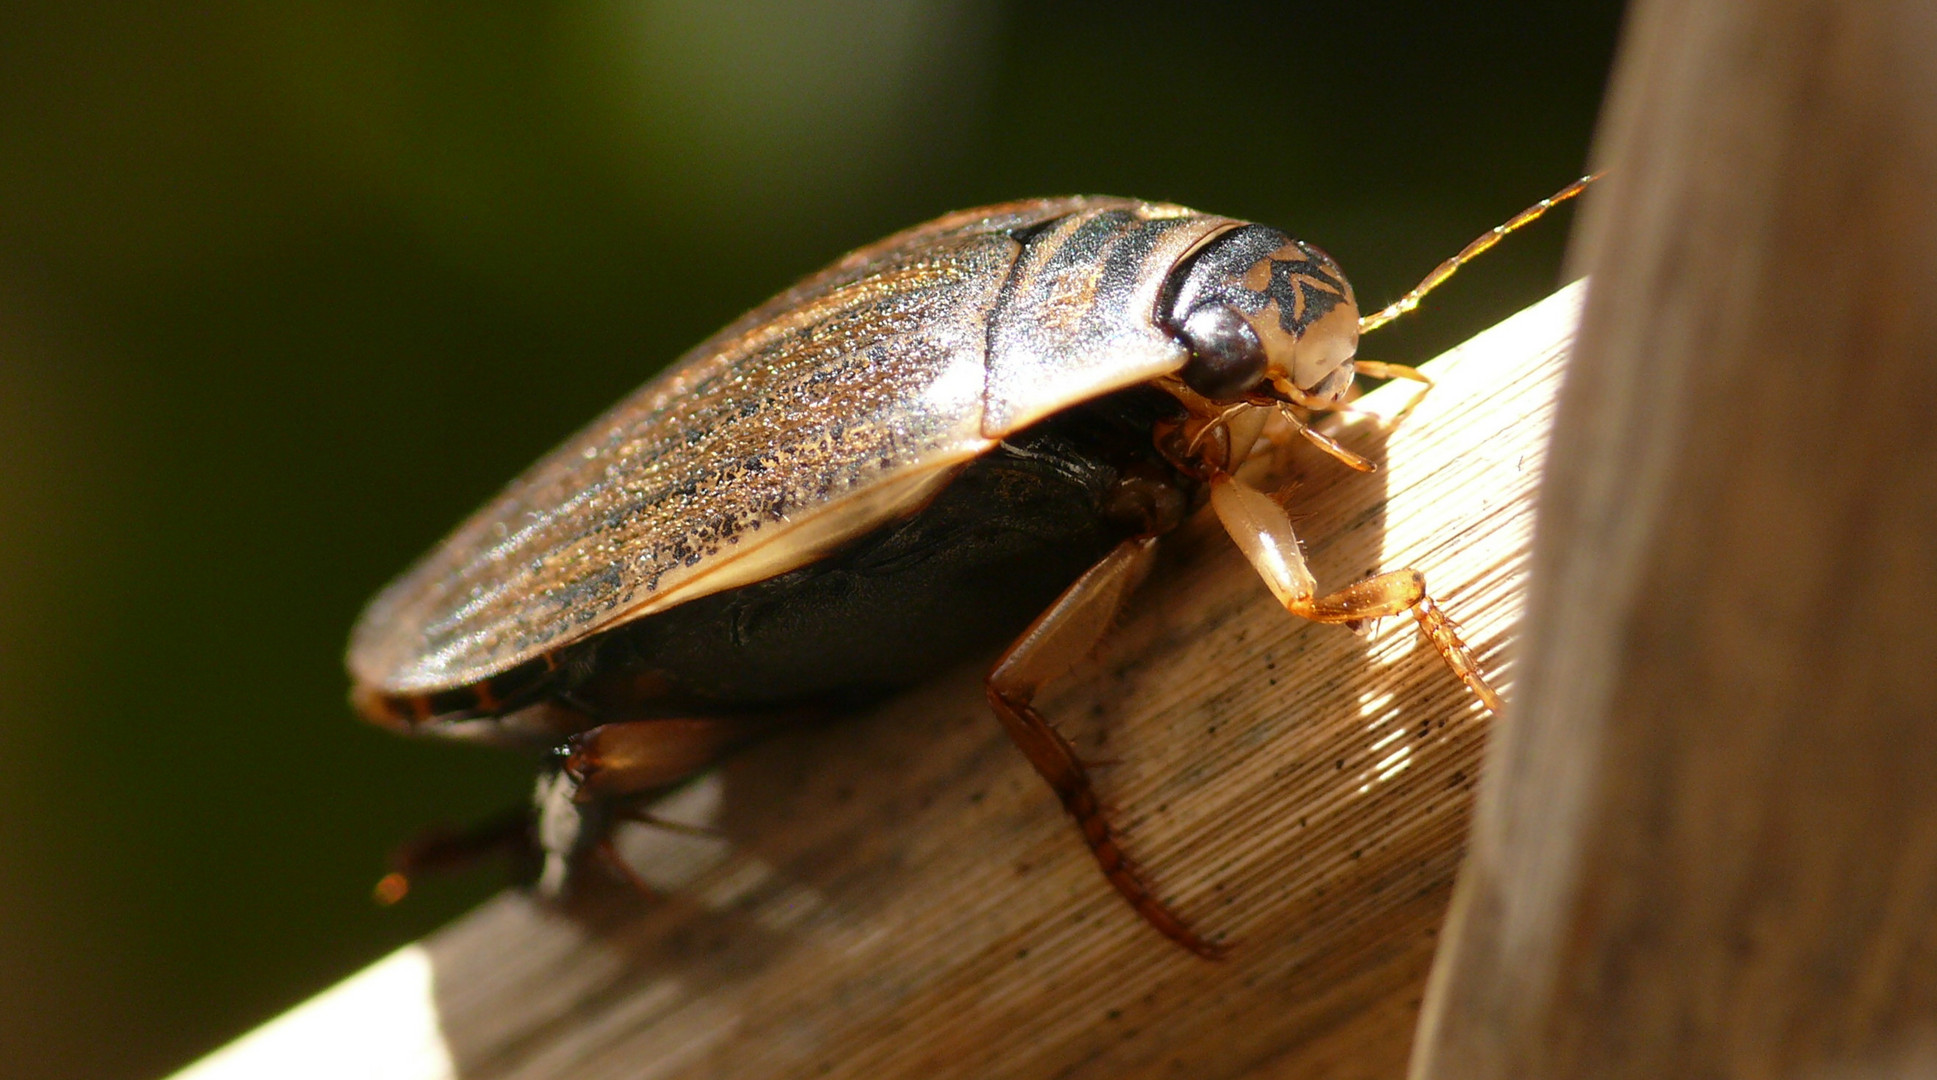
(1707, 842)
(898, 894)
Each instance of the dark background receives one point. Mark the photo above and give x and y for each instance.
(287, 289)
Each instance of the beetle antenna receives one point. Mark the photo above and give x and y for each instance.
(1471, 251)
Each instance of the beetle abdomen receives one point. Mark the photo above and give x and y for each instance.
(966, 572)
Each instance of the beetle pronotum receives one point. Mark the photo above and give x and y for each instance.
(994, 415)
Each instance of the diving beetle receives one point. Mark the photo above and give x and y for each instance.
(996, 415)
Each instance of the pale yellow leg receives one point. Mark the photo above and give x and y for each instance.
(1262, 531)
(1379, 369)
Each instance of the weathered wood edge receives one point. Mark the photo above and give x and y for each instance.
(1707, 841)
(897, 895)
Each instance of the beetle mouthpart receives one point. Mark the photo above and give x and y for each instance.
(1328, 394)
(1336, 385)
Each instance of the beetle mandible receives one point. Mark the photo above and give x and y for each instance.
(995, 414)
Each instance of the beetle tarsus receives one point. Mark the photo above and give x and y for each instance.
(1379, 369)
(1390, 594)
(644, 816)
(1262, 530)
(1128, 878)
(1351, 460)
(1444, 633)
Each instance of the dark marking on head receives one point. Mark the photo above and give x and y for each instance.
(1306, 286)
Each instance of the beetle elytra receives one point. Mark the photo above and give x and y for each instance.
(996, 414)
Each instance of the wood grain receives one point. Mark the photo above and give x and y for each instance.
(898, 895)
(1707, 843)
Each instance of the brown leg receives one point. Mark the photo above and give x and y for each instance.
(1263, 532)
(1058, 639)
(1379, 369)
(442, 850)
(615, 864)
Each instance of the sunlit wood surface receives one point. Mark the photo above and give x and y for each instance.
(898, 895)
(1707, 844)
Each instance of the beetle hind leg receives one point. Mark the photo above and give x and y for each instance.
(1263, 532)
(1059, 638)
(445, 850)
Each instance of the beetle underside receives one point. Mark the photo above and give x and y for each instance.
(639, 708)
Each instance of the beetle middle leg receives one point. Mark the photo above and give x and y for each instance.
(1380, 369)
(1059, 638)
(634, 756)
(1262, 530)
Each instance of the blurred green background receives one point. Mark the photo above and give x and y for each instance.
(286, 289)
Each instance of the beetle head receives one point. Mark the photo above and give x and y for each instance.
(1264, 315)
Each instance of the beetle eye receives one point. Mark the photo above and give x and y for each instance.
(1226, 358)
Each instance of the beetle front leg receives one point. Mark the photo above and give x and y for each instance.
(1379, 369)
(1263, 532)
(1059, 638)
